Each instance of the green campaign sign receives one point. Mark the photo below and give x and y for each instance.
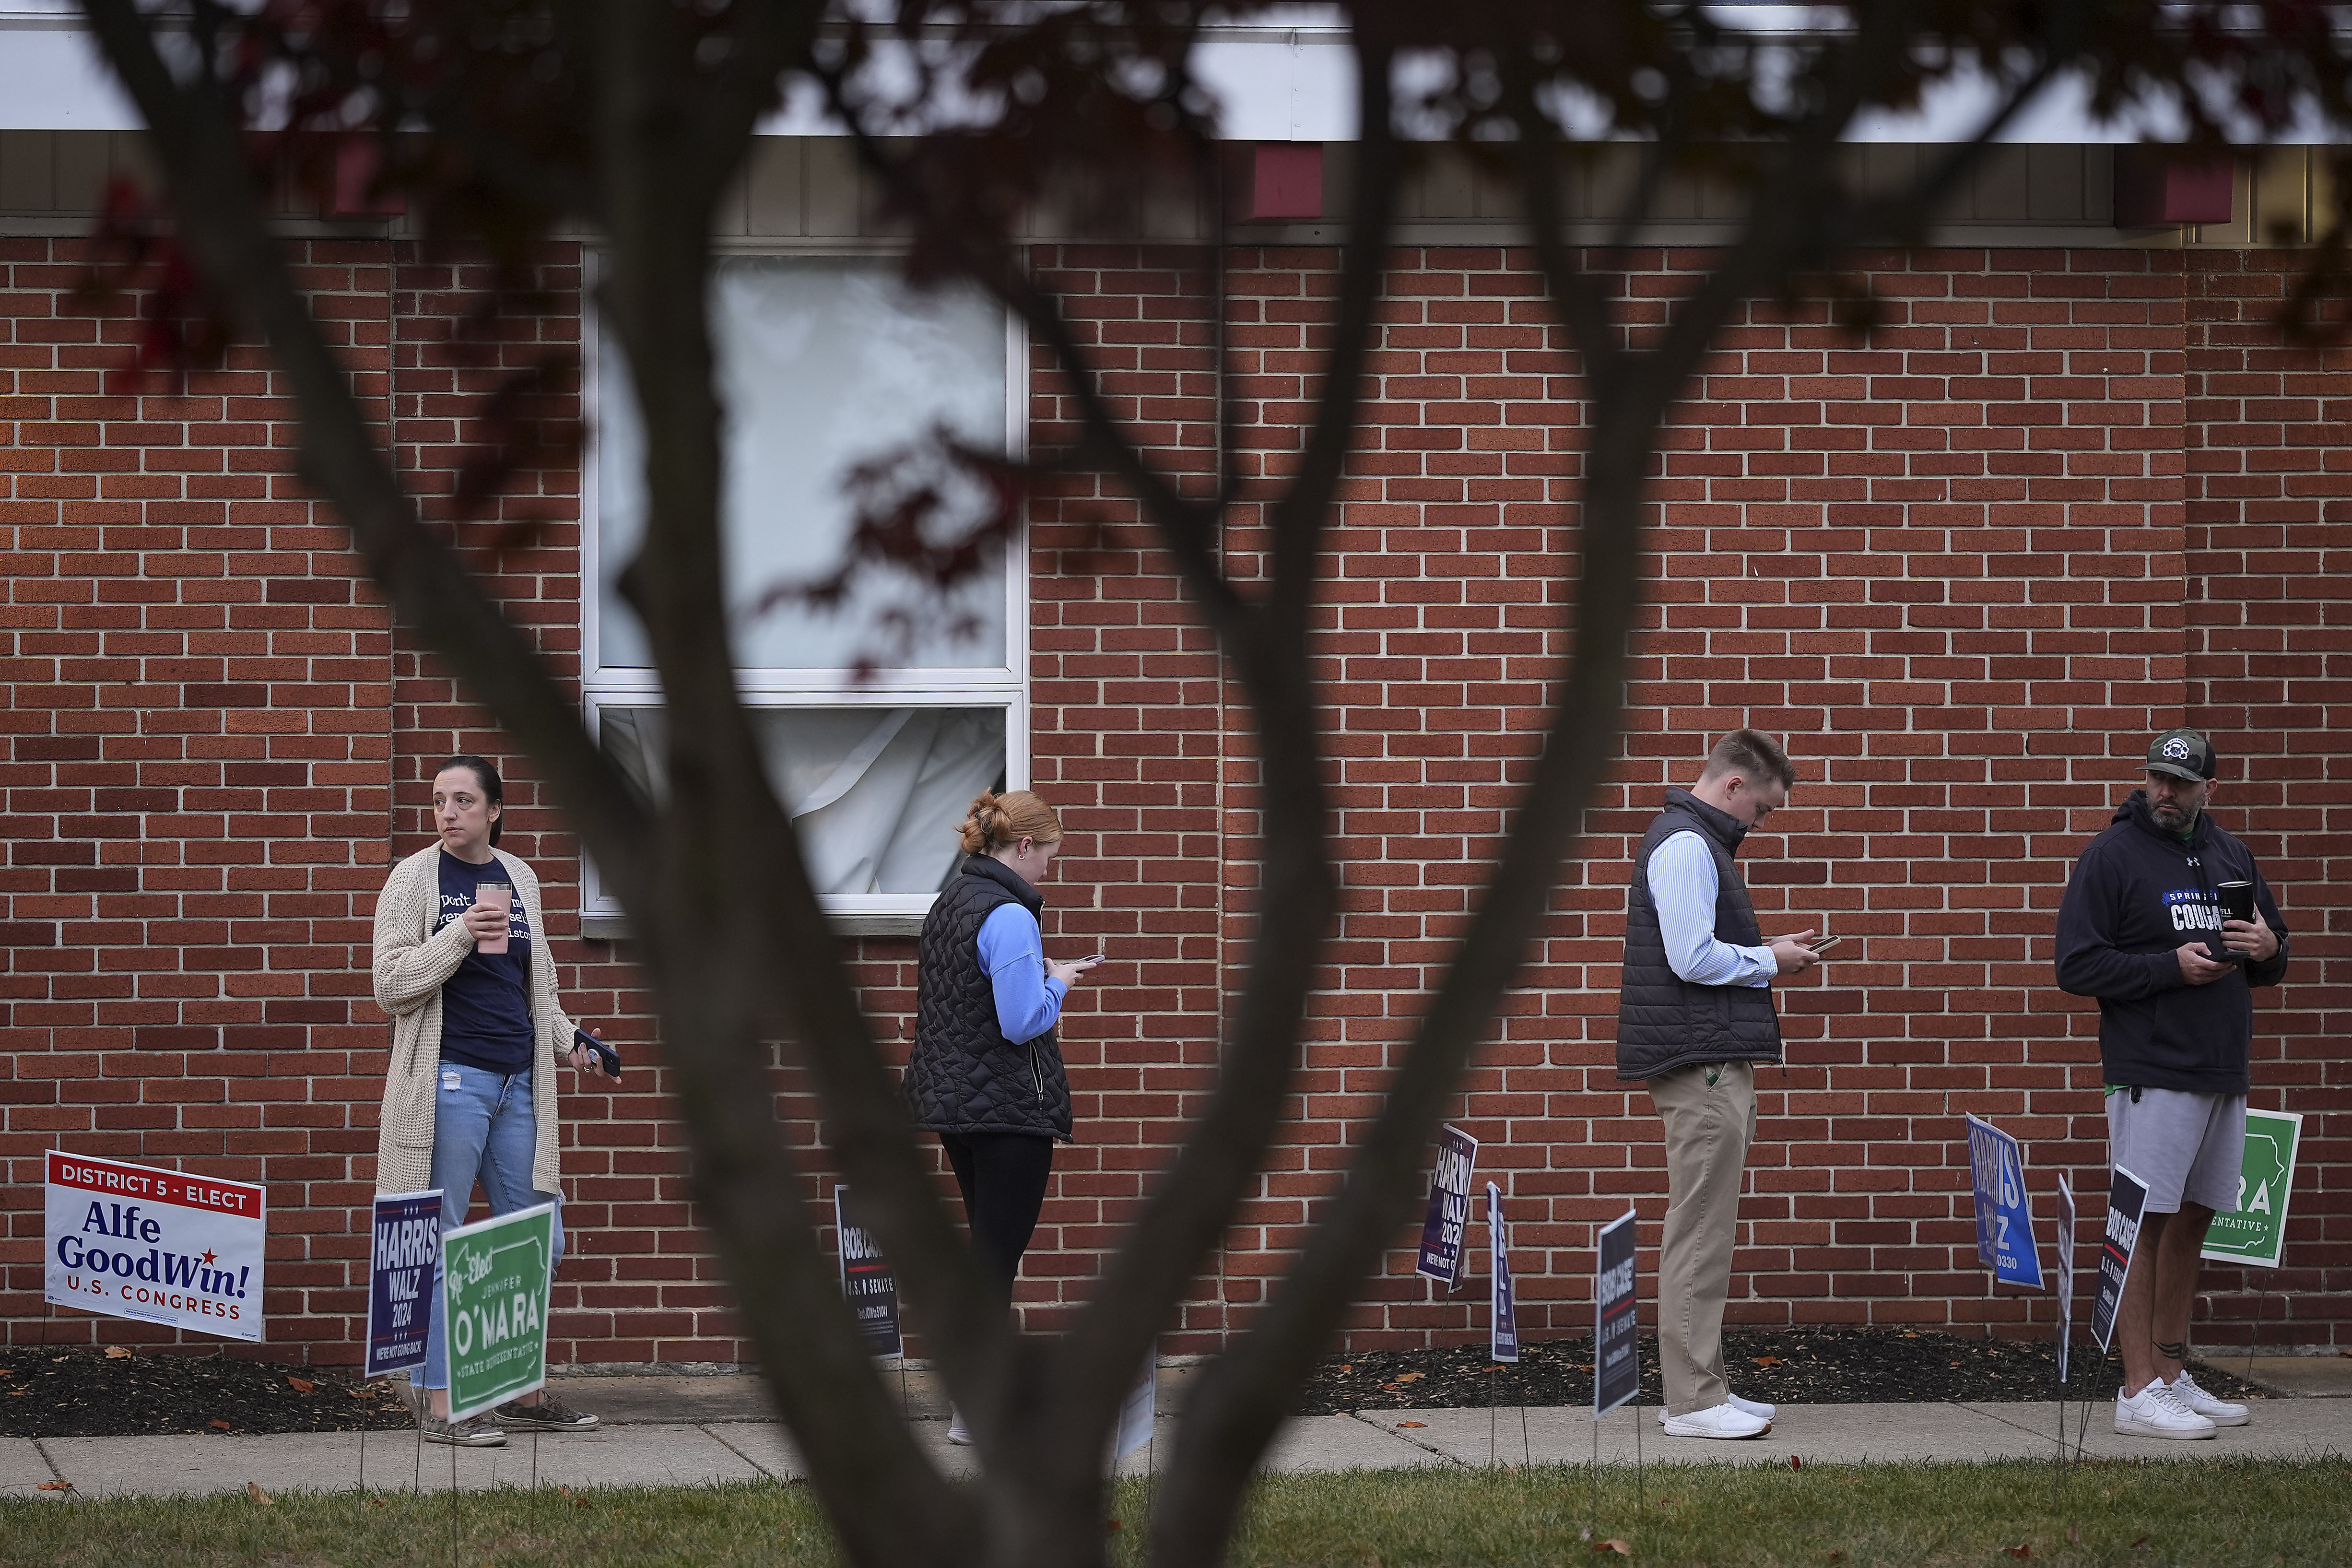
(494, 1288)
(2255, 1231)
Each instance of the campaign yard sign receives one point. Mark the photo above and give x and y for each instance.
(867, 1282)
(1443, 1232)
(1502, 1307)
(2065, 1272)
(494, 1288)
(2255, 1231)
(135, 1241)
(1616, 1353)
(2004, 1219)
(404, 1242)
(2127, 1201)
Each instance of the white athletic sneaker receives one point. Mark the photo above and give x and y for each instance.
(958, 1433)
(1756, 1407)
(1720, 1421)
(2153, 1412)
(2220, 1412)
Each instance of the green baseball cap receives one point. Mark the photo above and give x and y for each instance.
(2184, 753)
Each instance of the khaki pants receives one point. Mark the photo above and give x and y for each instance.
(1709, 1127)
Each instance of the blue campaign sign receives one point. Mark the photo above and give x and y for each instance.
(404, 1242)
(1503, 1309)
(1442, 1232)
(2004, 1220)
(1616, 1349)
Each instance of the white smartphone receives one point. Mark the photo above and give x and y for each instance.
(1822, 944)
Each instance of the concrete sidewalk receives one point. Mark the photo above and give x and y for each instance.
(694, 1431)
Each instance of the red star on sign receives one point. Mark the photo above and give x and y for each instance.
(208, 1258)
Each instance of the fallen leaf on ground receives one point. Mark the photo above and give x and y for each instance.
(2022, 1551)
(253, 1490)
(1796, 1462)
(1613, 1545)
(55, 1487)
(374, 1502)
(8, 1372)
(1837, 1556)
(1350, 1367)
(1114, 1525)
(1765, 1360)
(2074, 1533)
(1411, 1377)
(301, 1384)
(118, 1352)
(217, 1424)
(1412, 1423)
(2140, 1545)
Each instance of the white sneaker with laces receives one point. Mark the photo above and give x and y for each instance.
(958, 1433)
(2153, 1412)
(2220, 1412)
(1756, 1407)
(1718, 1421)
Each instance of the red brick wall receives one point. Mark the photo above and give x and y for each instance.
(1958, 565)
(197, 769)
(2269, 518)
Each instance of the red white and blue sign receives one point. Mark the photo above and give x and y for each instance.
(2004, 1220)
(404, 1242)
(135, 1241)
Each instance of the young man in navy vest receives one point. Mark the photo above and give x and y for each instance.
(1696, 1016)
(2147, 927)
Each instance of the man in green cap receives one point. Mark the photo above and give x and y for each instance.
(2167, 923)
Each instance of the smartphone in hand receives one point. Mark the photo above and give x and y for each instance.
(1822, 944)
(607, 1057)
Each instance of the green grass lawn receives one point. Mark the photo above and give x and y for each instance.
(2240, 1514)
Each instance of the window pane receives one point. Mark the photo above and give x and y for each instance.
(876, 793)
(823, 363)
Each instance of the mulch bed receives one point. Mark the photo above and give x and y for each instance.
(86, 1392)
(1781, 1366)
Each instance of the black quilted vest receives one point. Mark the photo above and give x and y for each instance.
(964, 1076)
(1663, 1020)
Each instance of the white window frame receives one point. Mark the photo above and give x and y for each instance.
(974, 687)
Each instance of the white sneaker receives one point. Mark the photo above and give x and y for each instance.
(2153, 1412)
(1720, 1421)
(958, 1433)
(2220, 1412)
(1756, 1407)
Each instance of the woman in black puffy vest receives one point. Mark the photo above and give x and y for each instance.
(986, 1074)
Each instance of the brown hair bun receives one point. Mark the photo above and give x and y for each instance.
(1000, 821)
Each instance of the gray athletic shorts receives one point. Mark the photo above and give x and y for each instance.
(2182, 1145)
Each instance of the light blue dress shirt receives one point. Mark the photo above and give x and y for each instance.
(1684, 886)
(1013, 952)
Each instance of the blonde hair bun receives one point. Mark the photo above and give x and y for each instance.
(1000, 821)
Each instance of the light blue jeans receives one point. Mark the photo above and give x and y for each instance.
(482, 1127)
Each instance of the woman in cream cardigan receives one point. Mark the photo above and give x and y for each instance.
(474, 1019)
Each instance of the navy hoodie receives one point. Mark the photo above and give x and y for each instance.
(2137, 894)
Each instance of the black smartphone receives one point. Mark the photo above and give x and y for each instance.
(607, 1057)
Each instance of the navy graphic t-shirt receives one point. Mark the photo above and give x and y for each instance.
(485, 1005)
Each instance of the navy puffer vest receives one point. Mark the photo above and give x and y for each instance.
(1663, 1020)
(964, 1076)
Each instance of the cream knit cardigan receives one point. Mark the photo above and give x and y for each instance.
(411, 960)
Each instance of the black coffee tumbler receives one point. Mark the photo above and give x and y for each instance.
(2237, 900)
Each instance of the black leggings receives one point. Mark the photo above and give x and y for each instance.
(1002, 1176)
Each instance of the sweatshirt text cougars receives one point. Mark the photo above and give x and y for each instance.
(2137, 894)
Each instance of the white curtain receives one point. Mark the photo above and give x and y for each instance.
(823, 361)
(877, 794)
